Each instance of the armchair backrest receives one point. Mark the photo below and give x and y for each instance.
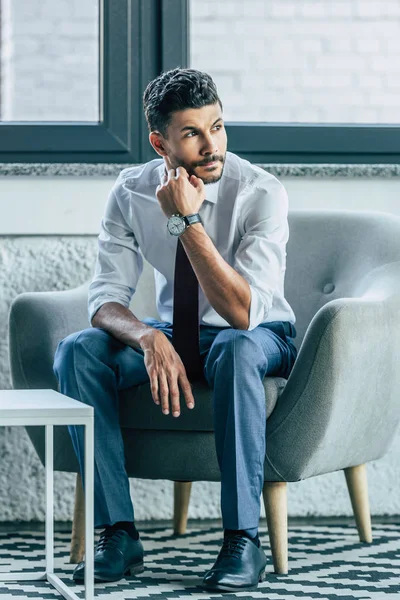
(328, 254)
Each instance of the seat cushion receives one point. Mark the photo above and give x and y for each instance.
(138, 410)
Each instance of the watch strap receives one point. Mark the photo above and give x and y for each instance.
(192, 219)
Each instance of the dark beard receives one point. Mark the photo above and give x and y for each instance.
(211, 178)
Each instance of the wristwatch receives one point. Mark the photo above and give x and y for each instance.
(177, 223)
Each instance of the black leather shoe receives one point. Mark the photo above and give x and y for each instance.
(117, 554)
(240, 566)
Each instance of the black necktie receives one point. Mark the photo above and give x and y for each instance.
(185, 327)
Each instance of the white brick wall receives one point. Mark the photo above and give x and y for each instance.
(49, 60)
(275, 60)
(309, 60)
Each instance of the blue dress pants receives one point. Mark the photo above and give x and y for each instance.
(92, 366)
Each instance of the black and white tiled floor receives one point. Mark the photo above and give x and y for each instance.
(326, 562)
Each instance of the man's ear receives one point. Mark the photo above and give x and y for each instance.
(156, 140)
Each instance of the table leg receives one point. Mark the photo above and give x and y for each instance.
(89, 517)
(49, 500)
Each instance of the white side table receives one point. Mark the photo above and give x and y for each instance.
(49, 408)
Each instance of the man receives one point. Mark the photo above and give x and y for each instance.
(236, 245)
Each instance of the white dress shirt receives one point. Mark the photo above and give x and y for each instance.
(244, 214)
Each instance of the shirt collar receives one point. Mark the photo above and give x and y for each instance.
(211, 189)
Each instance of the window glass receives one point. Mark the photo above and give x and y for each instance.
(49, 60)
(315, 61)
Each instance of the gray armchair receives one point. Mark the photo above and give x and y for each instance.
(338, 409)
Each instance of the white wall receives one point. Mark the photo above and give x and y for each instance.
(64, 213)
(74, 205)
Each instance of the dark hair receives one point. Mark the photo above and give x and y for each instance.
(176, 90)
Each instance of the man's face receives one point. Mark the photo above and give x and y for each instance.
(196, 136)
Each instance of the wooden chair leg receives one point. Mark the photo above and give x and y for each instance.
(275, 502)
(181, 504)
(356, 479)
(78, 526)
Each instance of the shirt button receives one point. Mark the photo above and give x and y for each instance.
(328, 288)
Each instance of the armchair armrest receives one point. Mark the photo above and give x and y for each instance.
(340, 405)
(37, 323)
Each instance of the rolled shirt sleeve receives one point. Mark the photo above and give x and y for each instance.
(261, 255)
(119, 261)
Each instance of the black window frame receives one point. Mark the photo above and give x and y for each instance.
(139, 40)
(312, 143)
(135, 46)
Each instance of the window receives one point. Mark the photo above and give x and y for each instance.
(320, 78)
(73, 73)
(301, 80)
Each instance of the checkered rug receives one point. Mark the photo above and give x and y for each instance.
(326, 562)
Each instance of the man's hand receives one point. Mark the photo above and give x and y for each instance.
(166, 371)
(180, 193)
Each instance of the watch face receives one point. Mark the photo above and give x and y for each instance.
(176, 225)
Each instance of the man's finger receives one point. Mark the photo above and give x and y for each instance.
(163, 392)
(154, 388)
(195, 181)
(181, 171)
(187, 390)
(171, 174)
(174, 395)
(168, 164)
(170, 169)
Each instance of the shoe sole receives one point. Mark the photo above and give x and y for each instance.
(135, 569)
(233, 588)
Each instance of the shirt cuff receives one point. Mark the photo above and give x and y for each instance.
(258, 309)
